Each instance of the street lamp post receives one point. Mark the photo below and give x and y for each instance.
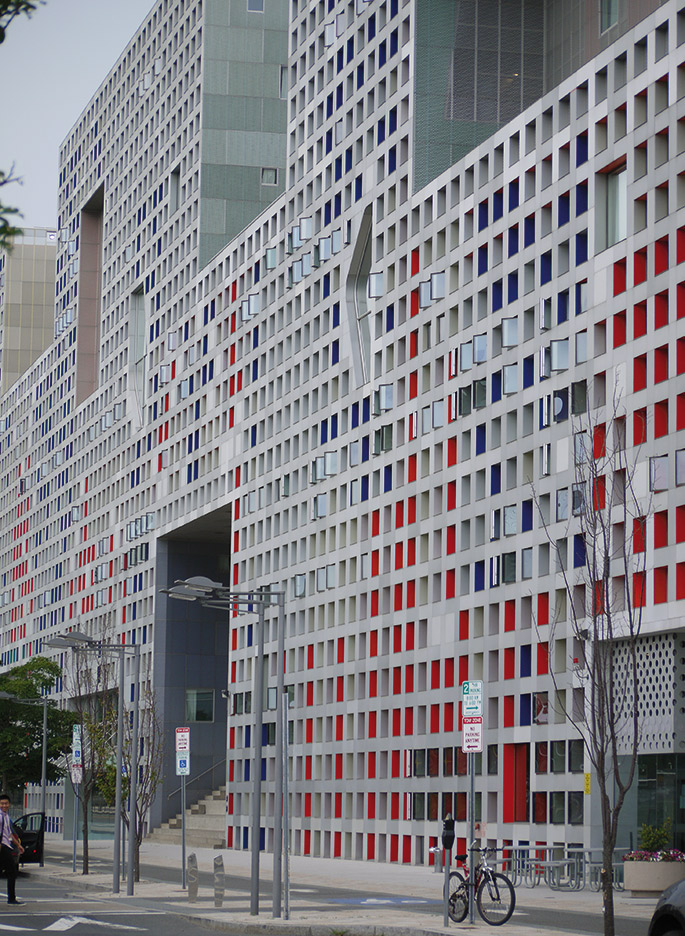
(215, 595)
(77, 641)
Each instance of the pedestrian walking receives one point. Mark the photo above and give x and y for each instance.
(10, 849)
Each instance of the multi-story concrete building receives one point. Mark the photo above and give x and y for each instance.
(359, 394)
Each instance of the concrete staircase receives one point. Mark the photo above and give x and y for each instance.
(205, 824)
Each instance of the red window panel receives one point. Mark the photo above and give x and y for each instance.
(509, 663)
(599, 492)
(450, 583)
(307, 846)
(680, 412)
(619, 322)
(661, 585)
(308, 767)
(639, 266)
(409, 721)
(510, 615)
(599, 441)
(680, 581)
(411, 509)
(373, 643)
(395, 763)
(395, 809)
(338, 806)
(409, 636)
(411, 476)
(340, 688)
(411, 593)
(399, 515)
(451, 539)
(435, 674)
(411, 551)
(639, 320)
(543, 609)
(399, 555)
(414, 303)
(508, 711)
(639, 590)
(598, 606)
(373, 684)
(434, 718)
(397, 680)
(371, 845)
(371, 805)
(337, 845)
(310, 656)
(680, 245)
(661, 310)
(414, 343)
(373, 724)
(341, 649)
(639, 372)
(661, 255)
(310, 693)
(309, 730)
(680, 301)
(396, 722)
(449, 673)
(415, 261)
(374, 603)
(661, 364)
(543, 658)
(375, 523)
(639, 534)
(680, 524)
(451, 451)
(375, 561)
(660, 419)
(680, 356)
(619, 277)
(451, 495)
(413, 384)
(338, 766)
(307, 804)
(660, 529)
(397, 600)
(409, 678)
(463, 625)
(640, 426)
(448, 720)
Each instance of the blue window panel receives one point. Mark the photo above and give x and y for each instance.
(394, 7)
(382, 53)
(339, 96)
(152, 333)
(358, 188)
(528, 371)
(365, 488)
(581, 247)
(513, 194)
(255, 370)
(371, 27)
(327, 213)
(392, 120)
(529, 231)
(496, 386)
(262, 831)
(360, 75)
(581, 149)
(253, 436)
(355, 415)
(497, 295)
(562, 307)
(196, 468)
(580, 308)
(387, 478)
(578, 551)
(249, 637)
(524, 709)
(380, 132)
(326, 285)
(541, 414)
(348, 159)
(581, 198)
(197, 409)
(513, 239)
(513, 287)
(525, 660)
(483, 215)
(546, 267)
(340, 60)
(495, 479)
(246, 776)
(350, 49)
(335, 352)
(526, 516)
(334, 426)
(483, 259)
(564, 209)
(189, 474)
(329, 141)
(390, 318)
(255, 339)
(394, 42)
(338, 168)
(479, 575)
(324, 431)
(392, 159)
(498, 205)
(336, 314)
(365, 448)
(480, 439)
(337, 205)
(329, 105)
(366, 409)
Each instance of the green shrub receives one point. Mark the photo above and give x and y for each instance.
(655, 838)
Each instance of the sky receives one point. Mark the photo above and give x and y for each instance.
(51, 65)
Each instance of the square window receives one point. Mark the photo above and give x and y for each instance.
(658, 473)
(509, 332)
(199, 705)
(269, 176)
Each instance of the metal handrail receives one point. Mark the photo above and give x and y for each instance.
(212, 768)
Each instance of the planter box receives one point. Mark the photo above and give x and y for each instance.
(650, 878)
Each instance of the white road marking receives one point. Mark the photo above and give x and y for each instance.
(16, 929)
(67, 923)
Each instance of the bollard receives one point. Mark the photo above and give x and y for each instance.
(219, 881)
(193, 878)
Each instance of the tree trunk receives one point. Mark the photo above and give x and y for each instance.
(608, 888)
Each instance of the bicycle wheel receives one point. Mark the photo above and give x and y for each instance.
(456, 878)
(496, 899)
(458, 905)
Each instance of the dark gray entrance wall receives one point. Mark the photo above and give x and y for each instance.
(191, 652)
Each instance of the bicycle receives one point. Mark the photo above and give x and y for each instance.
(495, 895)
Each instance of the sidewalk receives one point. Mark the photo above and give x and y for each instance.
(405, 889)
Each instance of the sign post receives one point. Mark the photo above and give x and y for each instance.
(472, 743)
(182, 771)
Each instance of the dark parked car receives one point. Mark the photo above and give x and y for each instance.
(669, 916)
(31, 831)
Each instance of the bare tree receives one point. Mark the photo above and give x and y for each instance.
(605, 590)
